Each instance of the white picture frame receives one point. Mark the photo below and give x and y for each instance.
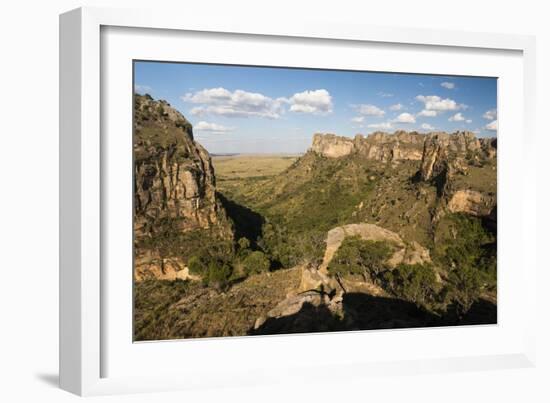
(83, 173)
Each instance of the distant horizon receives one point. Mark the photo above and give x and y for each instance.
(271, 110)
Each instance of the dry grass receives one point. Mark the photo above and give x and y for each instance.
(247, 166)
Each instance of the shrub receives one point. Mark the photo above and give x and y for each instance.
(244, 243)
(197, 266)
(416, 283)
(357, 256)
(218, 275)
(256, 262)
(467, 283)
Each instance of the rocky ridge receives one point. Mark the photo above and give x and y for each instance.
(377, 146)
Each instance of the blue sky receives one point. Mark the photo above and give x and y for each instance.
(236, 109)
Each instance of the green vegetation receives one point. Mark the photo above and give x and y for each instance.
(357, 256)
(465, 243)
(256, 262)
(416, 283)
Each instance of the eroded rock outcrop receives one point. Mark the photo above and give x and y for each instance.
(173, 174)
(471, 202)
(377, 146)
(444, 152)
(174, 189)
(407, 253)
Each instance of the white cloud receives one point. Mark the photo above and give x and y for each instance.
(468, 120)
(405, 118)
(493, 126)
(369, 110)
(491, 114)
(426, 126)
(457, 117)
(381, 126)
(438, 104)
(203, 126)
(396, 107)
(448, 85)
(358, 119)
(316, 102)
(239, 103)
(384, 94)
(427, 113)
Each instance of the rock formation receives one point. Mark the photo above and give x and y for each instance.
(377, 146)
(174, 188)
(471, 202)
(173, 174)
(443, 152)
(412, 253)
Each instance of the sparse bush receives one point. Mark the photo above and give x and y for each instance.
(218, 275)
(244, 244)
(197, 266)
(256, 262)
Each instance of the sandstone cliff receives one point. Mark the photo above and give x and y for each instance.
(443, 152)
(377, 146)
(173, 174)
(447, 158)
(174, 191)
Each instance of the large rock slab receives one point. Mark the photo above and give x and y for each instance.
(408, 253)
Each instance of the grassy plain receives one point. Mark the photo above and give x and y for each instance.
(251, 165)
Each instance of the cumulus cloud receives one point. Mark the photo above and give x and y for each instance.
(437, 104)
(427, 113)
(396, 107)
(358, 119)
(381, 126)
(491, 114)
(203, 126)
(369, 110)
(457, 117)
(405, 118)
(448, 85)
(493, 126)
(426, 126)
(384, 94)
(238, 103)
(316, 102)
(468, 120)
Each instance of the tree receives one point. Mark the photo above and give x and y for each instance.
(416, 283)
(218, 275)
(358, 256)
(467, 283)
(256, 262)
(244, 243)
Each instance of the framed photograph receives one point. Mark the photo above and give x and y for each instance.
(243, 203)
